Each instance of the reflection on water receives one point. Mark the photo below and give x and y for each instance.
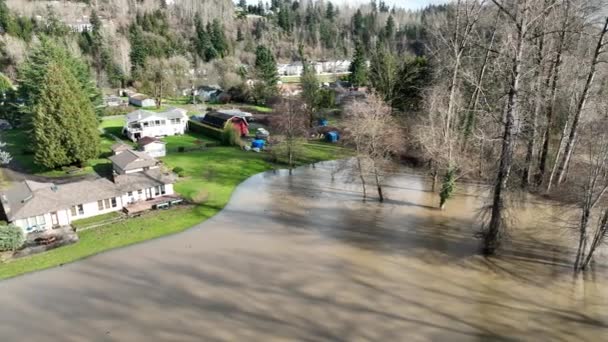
(302, 257)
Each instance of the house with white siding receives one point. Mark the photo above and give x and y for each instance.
(37, 206)
(143, 123)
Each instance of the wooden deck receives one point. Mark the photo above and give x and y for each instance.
(162, 202)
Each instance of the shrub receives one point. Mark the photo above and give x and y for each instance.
(204, 129)
(11, 238)
(230, 137)
(179, 171)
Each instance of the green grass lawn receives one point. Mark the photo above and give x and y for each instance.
(210, 177)
(18, 143)
(188, 140)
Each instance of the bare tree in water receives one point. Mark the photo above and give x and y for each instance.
(593, 222)
(522, 17)
(375, 135)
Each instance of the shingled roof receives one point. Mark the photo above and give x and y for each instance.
(132, 160)
(141, 114)
(28, 198)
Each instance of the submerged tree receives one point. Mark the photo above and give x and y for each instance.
(376, 137)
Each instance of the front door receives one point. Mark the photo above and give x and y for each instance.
(148, 193)
(54, 219)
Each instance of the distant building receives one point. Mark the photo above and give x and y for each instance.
(112, 101)
(141, 100)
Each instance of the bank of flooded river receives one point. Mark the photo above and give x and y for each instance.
(301, 257)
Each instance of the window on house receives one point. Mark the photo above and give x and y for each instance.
(130, 193)
(162, 189)
(156, 190)
(107, 202)
(73, 210)
(145, 124)
(140, 191)
(100, 205)
(157, 122)
(114, 202)
(80, 209)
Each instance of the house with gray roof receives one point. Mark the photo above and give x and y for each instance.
(141, 100)
(143, 123)
(130, 161)
(37, 206)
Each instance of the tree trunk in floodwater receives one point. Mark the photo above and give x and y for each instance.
(434, 176)
(492, 236)
(540, 90)
(360, 167)
(378, 184)
(553, 99)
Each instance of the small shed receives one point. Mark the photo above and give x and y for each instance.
(141, 100)
(152, 146)
(219, 120)
(332, 136)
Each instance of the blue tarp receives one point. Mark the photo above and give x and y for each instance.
(259, 143)
(332, 136)
(322, 122)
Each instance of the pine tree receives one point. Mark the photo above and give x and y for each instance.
(358, 67)
(218, 39)
(266, 70)
(310, 87)
(330, 13)
(389, 30)
(64, 123)
(31, 73)
(358, 23)
(383, 73)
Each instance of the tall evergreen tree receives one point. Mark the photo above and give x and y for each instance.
(310, 87)
(31, 74)
(330, 13)
(266, 71)
(64, 123)
(218, 39)
(358, 67)
(383, 73)
(266, 66)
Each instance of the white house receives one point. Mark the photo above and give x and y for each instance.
(152, 146)
(35, 206)
(143, 123)
(141, 100)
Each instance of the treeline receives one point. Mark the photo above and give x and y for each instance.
(517, 97)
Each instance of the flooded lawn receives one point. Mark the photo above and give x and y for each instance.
(303, 258)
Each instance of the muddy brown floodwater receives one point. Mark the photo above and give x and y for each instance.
(302, 258)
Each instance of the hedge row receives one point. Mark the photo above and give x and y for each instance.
(204, 129)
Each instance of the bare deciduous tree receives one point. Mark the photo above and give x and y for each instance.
(376, 137)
